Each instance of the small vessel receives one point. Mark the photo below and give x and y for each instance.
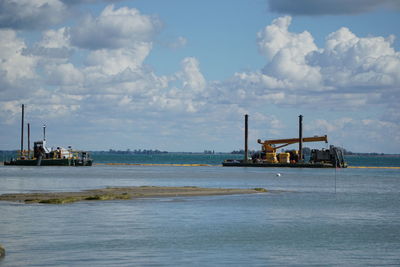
(268, 156)
(43, 156)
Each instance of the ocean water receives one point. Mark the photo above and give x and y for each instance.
(346, 217)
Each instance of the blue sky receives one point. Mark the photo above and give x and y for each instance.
(179, 75)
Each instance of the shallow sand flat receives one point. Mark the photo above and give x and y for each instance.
(112, 193)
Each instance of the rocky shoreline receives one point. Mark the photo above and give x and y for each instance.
(122, 193)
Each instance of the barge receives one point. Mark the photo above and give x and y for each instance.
(268, 156)
(44, 156)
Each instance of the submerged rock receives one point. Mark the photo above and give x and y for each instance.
(2, 252)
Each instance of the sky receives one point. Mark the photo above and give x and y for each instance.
(179, 75)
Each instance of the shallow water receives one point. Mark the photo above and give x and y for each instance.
(306, 224)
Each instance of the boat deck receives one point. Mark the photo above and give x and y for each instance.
(287, 165)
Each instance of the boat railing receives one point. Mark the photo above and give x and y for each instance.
(29, 154)
(25, 154)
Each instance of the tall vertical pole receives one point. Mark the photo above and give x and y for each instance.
(22, 130)
(246, 135)
(301, 138)
(29, 140)
(44, 132)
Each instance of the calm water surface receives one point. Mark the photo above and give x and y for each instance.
(307, 224)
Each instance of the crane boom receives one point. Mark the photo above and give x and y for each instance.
(268, 144)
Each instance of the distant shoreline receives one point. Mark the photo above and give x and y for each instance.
(206, 152)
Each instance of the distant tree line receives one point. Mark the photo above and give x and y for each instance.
(306, 151)
(130, 152)
(346, 152)
(149, 151)
(241, 151)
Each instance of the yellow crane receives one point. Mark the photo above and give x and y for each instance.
(269, 146)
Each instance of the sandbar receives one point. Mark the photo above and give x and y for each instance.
(122, 193)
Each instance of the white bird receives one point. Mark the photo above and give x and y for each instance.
(278, 174)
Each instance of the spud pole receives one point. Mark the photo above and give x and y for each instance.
(22, 130)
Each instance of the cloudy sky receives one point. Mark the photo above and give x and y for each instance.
(179, 75)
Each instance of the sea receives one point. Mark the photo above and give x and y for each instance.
(310, 217)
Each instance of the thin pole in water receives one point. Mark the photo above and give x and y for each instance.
(335, 179)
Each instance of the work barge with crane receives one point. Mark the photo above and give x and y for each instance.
(41, 155)
(269, 157)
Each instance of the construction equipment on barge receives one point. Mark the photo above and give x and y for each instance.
(268, 156)
(43, 156)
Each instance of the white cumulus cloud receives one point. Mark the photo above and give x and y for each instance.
(350, 61)
(114, 28)
(65, 74)
(15, 67)
(348, 65)
(111, 62)
(30, 14)
(191, 76)
(286, 55)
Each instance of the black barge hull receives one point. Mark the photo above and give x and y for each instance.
(286, 165)
(48, 162)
